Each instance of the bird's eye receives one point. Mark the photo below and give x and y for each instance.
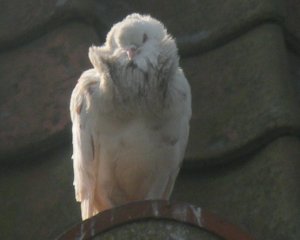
(145, 37)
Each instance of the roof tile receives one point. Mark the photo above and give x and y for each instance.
(37, 81)
(242, 95)
(260, 193)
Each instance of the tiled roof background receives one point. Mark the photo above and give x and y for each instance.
(242, 59)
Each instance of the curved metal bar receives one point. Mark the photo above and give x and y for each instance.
(155, 209)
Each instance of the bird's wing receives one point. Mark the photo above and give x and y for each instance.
(181, 93)
(84, 162)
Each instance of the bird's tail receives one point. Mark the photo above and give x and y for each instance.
(93, 205)
(87, 208)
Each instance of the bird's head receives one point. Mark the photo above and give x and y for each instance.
(136, 40)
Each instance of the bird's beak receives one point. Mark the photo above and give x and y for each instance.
(131, 52)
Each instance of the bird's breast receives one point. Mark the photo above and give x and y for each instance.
(139, 142)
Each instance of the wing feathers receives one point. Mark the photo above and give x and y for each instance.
(84, 162)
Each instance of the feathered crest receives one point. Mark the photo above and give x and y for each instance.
(100, 60)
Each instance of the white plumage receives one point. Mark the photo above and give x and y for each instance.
(130, 116)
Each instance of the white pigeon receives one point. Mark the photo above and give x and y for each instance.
(130, 116)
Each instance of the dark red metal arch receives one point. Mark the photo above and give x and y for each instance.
(155, 209)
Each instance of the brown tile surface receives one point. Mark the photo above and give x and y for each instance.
(37, 198)
(292, 23)
(37, 80)
(242, 96)
(260, 193)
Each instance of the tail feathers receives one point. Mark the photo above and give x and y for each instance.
(87, 201)
(87, 208)
(91, 206)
